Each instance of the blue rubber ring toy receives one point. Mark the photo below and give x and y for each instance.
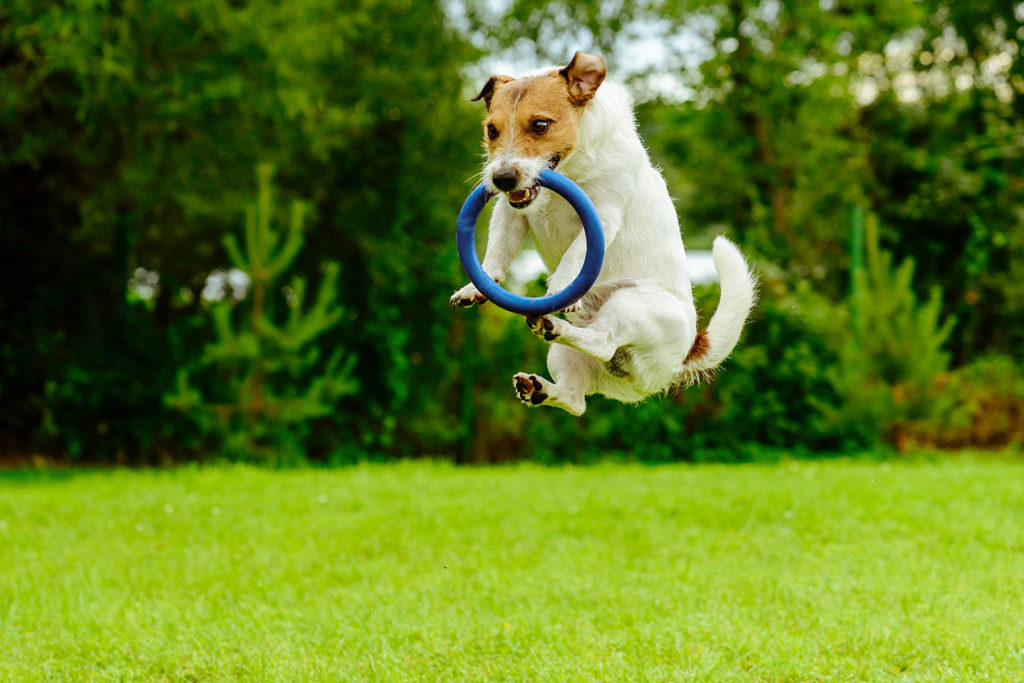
(465, 239)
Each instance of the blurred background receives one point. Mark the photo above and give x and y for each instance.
(227, 227)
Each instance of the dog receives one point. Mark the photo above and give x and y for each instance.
(634, 334)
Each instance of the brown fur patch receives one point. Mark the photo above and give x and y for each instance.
(517, 104)
(700, 346)
(583, 76)
(620, 363)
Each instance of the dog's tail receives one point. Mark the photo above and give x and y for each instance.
(739, 290)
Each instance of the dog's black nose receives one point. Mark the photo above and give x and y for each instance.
(505, 179)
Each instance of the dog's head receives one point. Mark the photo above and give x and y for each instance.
(532, 123)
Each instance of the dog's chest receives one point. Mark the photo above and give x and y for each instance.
(554, 226)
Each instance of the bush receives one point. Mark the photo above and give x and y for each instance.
(892, 356)
(986, 407)
(774, 391)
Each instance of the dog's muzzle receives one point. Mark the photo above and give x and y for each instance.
(520, 199)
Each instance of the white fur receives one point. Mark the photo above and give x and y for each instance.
(628, 337)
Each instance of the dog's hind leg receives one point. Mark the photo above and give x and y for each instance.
(573, 375)
(635, 316)
(593, 341)
(637, 337)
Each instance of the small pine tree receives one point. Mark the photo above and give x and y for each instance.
(268, 371)
(889, 366)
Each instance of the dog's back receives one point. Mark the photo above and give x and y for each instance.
(610, 162)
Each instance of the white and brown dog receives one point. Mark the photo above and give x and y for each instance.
(635, 332)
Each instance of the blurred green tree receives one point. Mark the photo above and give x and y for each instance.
(893, 356)
(270, 376)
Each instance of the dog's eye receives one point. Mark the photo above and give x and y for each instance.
(540, 126)
(492, 132)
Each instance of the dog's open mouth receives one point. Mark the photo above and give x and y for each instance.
(520, 199)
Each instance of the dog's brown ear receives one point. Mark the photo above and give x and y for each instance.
(492, 84)
(583, 76)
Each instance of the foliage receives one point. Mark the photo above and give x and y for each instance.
(987, 408)
(83, 385)
(775, 389)
(127, 137)
(268, 371)
(422, 571)
(128, 132)
(948, 187)
(893, 357)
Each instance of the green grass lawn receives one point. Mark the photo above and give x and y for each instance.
(797, 571)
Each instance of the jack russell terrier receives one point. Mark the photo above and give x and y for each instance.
(634, 333)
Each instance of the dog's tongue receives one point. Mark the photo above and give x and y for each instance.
(518, 195)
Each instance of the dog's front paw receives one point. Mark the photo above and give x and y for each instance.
(544, 326)
(466, 297)
(529, 388)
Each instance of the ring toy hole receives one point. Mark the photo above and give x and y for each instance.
(465, 239)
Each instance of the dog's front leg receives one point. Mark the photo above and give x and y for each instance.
(572, 260)
(505, 236)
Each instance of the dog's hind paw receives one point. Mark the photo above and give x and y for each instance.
(529, 388)
(544, 326)
(573, 307)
